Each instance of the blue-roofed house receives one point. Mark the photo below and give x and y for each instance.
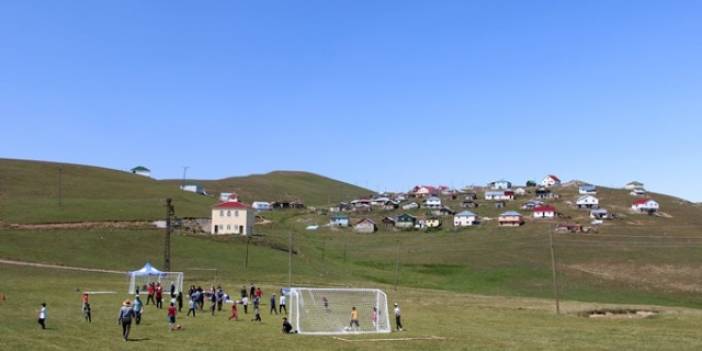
(465, 219)
(405, 221)
(432, 202)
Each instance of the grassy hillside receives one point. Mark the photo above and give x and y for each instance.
(310, 188)
(29, 192)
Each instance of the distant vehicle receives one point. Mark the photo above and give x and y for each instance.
(312, 227)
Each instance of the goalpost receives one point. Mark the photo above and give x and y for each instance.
(327, 311)
(148, 274)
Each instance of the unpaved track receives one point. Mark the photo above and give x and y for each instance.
(54, 266)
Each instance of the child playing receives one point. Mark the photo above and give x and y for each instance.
(42, 316)
(354, 318)
(235, 313)
(191, 307)
(172, 316)
(86, 312)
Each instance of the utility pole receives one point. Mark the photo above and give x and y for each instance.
(397, 266)
(170, 212)
(60, 187)
(185, 171)
(290, 240)
(553, 269)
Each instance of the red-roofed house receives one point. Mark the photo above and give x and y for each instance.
(645, 205)
(551, 180)
(544, 211)
(232, 217)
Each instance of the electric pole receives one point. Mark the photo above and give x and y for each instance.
(290, 259)
(185, 171)
(170, 212)
(553, 269)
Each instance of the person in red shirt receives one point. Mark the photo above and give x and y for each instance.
(159, 296)
(172, 310)
(259, 293)
(150, 294)
(235, 312)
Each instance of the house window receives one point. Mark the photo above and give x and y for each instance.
(229, 227)
(229, 213)
(236, 213)
(221, 213)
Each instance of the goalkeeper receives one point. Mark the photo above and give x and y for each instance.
(354, 318)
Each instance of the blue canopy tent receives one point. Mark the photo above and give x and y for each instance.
(148, 274)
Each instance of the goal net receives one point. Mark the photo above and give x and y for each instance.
(140, 281)
(328, 311)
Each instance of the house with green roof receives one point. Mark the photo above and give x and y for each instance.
(141, 170)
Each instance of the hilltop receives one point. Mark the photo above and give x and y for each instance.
(29, 192)
(310, 188)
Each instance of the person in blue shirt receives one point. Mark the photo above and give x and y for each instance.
(138, 308)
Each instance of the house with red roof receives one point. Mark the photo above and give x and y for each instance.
(544, 211)
(232, 217)
(550, 180)
(645, 205)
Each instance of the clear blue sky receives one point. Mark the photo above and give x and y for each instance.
(384, 94)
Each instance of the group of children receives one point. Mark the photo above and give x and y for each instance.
(132, 310)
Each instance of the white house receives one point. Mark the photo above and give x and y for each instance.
(638, 192)
(510, 219)
(379, 201)
(141, 170)
(599, 213)
(499, 195)
(232, 217)
(465, 219)
(520, 192)
(500, 185)
(587, 189)
(194, 188)
(228, 196)
(261, 206)
(339, 220)
(410, 206)
(544, 211)
(645, 205)
(633, 185)
(432, 202)
(550, 180)
(587, 201)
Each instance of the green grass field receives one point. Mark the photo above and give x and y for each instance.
(482, 288)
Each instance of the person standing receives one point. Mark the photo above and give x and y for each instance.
(126, 313)
(150, 290)
(191, 306)
(220, 298)
(159, 296)
(84, 299)
(86, 312)
(281, 306)
(257, 313)
(245, 303)
(398, 315)
(213, 300)
(374, 316)
(42, 316)
(273, 310)
(259, 293)
(243, 291)
(173, 289)
(172, 316)
(354, 318)
(179, 298)
(138, 309)
(252, 291)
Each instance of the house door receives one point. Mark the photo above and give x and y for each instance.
(216, 229)
(241, 229)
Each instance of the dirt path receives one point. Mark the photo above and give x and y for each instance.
(54, 266)
(82, 225)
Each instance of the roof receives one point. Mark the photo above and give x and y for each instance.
(140, 168)
(582, 198)
(148, 269)
(511, 213)
(365, 220)
(599, 210)
(406, 215)
(553, 177)
(339, 216)
(587, 186)
(465, 214)
(433, 198)
(544, 208)
(231, 204)
(643, 201)
(634, 183)
(498, 192)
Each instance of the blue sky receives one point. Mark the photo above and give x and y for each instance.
(384, 94)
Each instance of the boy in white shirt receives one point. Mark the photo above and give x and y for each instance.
(42, 316)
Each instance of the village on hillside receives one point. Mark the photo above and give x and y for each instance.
(428, 208)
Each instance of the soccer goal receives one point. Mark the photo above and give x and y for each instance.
(328, 311)
(148, 274)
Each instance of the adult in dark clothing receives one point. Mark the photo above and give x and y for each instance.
(220, 298)
(213, 300)
(126, 314)
(252, 291)
(273, 310)
(287, 327)
(243, 291)
(173, 289)
(179, 299)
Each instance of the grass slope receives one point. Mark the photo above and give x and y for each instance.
(310, 188)
(29, 192)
